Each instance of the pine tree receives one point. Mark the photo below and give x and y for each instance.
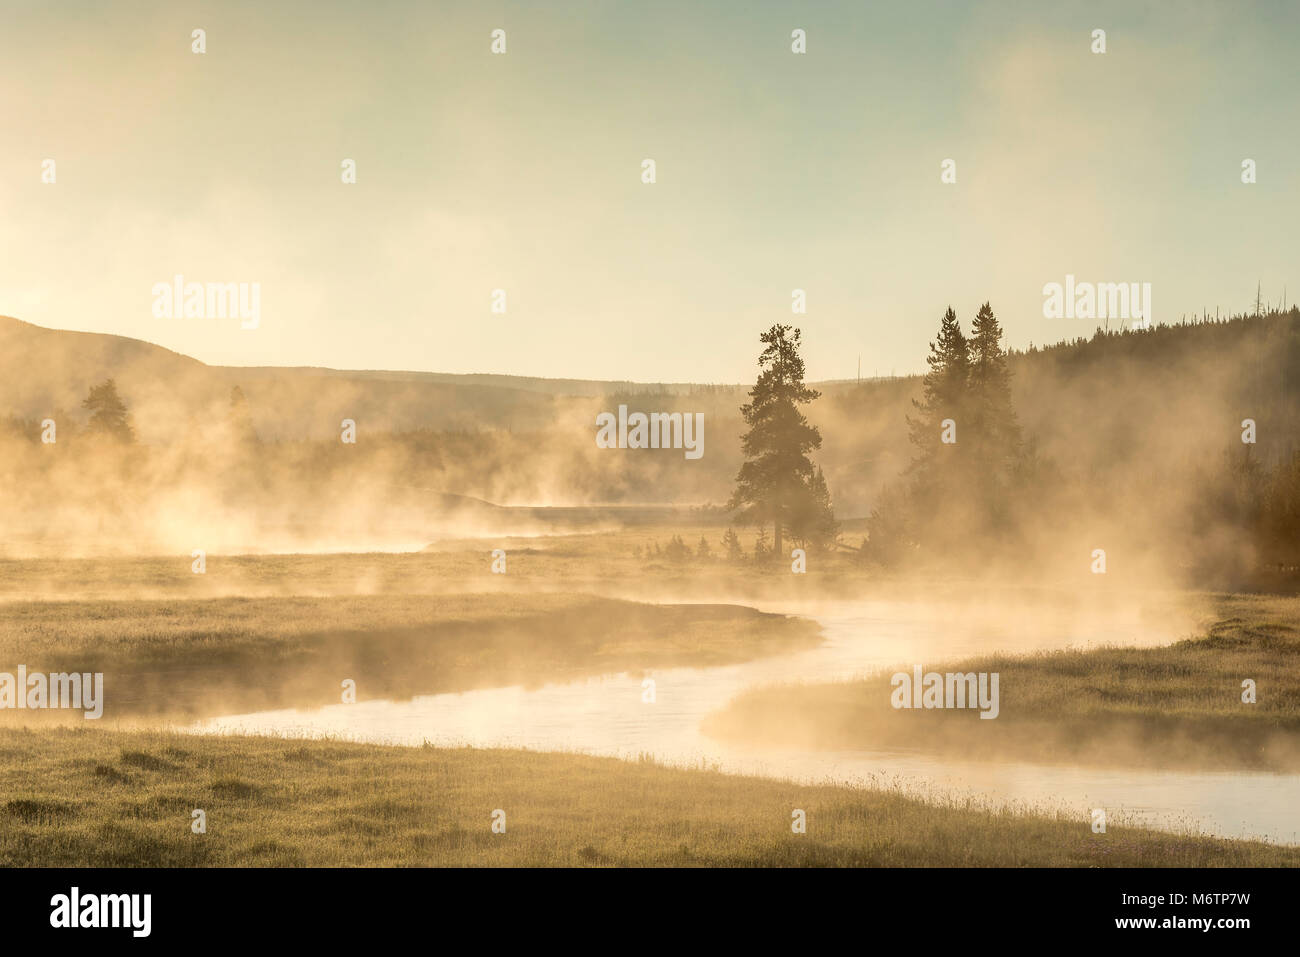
(813, 523)
(677, 550)
(933, 497)
(943, 392)
(775, 477)
(731, 542)
(995, 428)
(890, 531)
(996, 442)
(703, 551)
(108, 413)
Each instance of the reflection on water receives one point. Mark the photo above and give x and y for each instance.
(606, 716)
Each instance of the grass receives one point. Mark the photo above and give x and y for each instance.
(614, 562)
(111, 798)
(184, 658)
(1175, 706)
(274, 631)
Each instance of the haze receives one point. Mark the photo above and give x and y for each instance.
(522, 172)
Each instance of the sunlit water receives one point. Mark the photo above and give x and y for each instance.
(606, 716)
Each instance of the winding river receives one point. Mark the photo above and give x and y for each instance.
(606, 716)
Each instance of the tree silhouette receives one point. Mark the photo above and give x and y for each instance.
(945, 384)
(996, 443)
(956, 492)
(997, 439)
(677, 550)
(774, 483)
(944, 395)
(108, 413)
(925, 506)
(731, 543)
(812, 519)
(889, 527)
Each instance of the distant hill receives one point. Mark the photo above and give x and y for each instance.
(48, 370)
(1121, 410)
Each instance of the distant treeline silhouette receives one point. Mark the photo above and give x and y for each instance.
(1126, 441)
(1164, 482)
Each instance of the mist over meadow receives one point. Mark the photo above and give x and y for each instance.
(1135, 442)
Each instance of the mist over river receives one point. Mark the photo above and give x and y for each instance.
(607, 716)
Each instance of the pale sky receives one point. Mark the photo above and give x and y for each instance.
(522, 171)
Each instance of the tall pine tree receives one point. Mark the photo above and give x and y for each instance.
(996, 430)
(774, 483)
(939, 472)
(996, 442)
(906, 514)
(943, 393)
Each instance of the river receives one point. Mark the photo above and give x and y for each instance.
(606, 716)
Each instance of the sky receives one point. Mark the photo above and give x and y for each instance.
(522, 171)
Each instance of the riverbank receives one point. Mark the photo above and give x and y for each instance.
(1177, 706)
(127, 799)
(181, 659)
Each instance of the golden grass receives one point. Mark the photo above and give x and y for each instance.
(107, 798)
(196, 657)
(1176, 706)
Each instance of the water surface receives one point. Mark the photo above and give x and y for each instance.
(606, 716)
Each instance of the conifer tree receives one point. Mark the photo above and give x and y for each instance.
(108, 414)
(731, 542)
(938, 470)
(995, 430)
(996, 445)
(773, 483)
(813, 522)
(943, 396)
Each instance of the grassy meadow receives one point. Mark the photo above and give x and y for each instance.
(185, 658)
(124, 799)
(615, 561)
(1174, 706)
(261, 632)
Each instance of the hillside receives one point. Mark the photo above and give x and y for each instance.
(1130, 421)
